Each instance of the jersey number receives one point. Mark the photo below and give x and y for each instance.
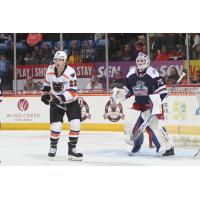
(72, 83)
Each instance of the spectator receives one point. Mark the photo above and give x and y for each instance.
(139, 46)
(173, 77)
(30, 84)
(74, 55)
(74, 58)
(118, 81)
(94, 84)
(114, 49)
(20, 60)
(46, 54)
(196, 79)
(155, 45)
(5, 37)
(87, 53)
(196, 52)
(163, 54)
(194, 39)
(127, 53)
(39, 85)
(27, 57)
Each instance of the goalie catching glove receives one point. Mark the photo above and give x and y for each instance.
(119, 94)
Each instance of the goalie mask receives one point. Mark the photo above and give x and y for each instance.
(60, 55)
(142, 62)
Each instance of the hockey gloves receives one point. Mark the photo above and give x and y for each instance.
(45, 98)
(60, 99)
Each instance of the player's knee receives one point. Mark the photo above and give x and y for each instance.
(56, 126)
(75, 125)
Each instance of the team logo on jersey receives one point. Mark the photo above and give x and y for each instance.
(84, 109)
(140, 89)
(113, 112)
(58, 86)
(22, 104)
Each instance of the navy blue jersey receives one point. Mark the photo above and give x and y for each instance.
(142, 86)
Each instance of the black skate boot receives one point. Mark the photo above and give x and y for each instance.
(169, 152)
(52, 152)
(73, 154)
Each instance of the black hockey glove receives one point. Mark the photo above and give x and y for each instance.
(45, 98)
(60, 99)
(46, 89)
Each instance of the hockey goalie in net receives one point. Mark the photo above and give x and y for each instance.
(149, 90)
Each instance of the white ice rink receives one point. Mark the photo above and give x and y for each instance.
(103, 149)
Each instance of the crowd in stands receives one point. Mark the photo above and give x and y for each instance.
(90, 48)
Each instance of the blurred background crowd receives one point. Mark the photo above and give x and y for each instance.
(89, 48)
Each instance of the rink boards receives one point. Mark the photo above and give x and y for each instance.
(182, 114)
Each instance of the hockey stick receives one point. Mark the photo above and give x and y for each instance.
(58, 105)
(196, 153)
(148, 119)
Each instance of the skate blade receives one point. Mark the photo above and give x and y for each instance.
(72, 158)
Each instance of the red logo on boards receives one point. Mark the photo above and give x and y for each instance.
(22, 104)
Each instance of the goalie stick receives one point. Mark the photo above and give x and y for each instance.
(148, 119)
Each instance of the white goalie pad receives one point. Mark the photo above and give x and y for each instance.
(157, 104)
(119, 95)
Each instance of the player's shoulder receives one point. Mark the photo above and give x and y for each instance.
(69, 71)
(131, 72)
(152, 72)
(51, 69)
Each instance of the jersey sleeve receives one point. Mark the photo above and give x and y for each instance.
(160, 87)
(46, 82)
(71, 93)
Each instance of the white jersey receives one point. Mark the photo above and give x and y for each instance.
(64, 84)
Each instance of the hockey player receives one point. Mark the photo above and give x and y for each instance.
(143, 82)
(60, 91)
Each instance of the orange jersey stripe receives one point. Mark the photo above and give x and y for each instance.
(51, 73)
(73, 93)
(65, 76)
(46, 81)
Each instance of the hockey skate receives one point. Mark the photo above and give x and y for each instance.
(74, 155)
(169, 152)
(52, 152)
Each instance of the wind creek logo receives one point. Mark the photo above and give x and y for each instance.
(140, 89)
(113, 112)
(23, 105)
(85, 112)
(24, 113)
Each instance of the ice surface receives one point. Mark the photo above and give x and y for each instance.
(99, 148)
